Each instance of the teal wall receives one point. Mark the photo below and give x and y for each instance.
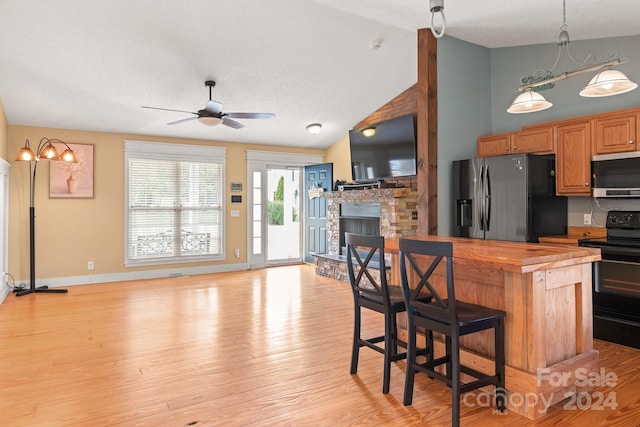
(464, 112)
(469, 107)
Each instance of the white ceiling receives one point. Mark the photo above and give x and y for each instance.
(92, 64)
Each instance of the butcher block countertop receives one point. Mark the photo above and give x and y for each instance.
(575, 234)
(516, 257)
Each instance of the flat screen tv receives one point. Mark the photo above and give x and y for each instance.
(389, 152)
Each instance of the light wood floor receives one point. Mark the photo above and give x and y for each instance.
(258, 348)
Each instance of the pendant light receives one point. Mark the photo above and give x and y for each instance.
(607, 82)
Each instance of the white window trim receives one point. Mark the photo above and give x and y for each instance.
(163, 150)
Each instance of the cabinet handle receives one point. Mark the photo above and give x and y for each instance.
(631, 142)
(515, 147)
(506, 149)
(586, 184)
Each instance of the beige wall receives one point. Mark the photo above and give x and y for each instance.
(340, 156)
(71, 232)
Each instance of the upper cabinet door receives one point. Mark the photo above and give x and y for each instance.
(535, 140)
(494, 145)
(615, 134)
(573, 159)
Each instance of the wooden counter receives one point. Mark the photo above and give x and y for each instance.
(574, 234)
(546, 292)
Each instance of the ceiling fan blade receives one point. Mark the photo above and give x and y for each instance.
(251, 115)
(168, 109)
(213, 107)
(231, 123)
(188, 119)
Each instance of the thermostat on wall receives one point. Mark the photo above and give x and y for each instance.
(236, 199)
(236, 186)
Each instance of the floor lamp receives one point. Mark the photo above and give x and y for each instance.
(46, 151)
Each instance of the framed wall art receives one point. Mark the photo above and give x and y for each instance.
(72, 180)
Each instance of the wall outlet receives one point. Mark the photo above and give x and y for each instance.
(90, 265)
(587, 219)
(237, 252)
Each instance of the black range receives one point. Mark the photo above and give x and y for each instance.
(616, 280)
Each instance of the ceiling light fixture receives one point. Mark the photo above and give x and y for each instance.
(607, 82)
(436, 6)
(369, 132)
(314, 128)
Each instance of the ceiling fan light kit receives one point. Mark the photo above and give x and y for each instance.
(209, 121)
(212, 115)
(607, 82)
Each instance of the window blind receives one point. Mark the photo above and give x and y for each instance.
(175, 203)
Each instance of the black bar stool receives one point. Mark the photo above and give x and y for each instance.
(449, 317)
(367, 275)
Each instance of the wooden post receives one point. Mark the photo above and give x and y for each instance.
(427, 119)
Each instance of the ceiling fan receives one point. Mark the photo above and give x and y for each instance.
(212, 115)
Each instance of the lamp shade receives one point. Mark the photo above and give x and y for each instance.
(528, 102)
(608, 82)
(210, 121)
(49, 152)
(25, 155)
(68, 156)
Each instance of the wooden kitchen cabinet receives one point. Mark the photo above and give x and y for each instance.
(494, 145)
(533, 140)
(573, 159)
(615, 133)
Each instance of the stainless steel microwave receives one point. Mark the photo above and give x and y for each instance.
(616, 175)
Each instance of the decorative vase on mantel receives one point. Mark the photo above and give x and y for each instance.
(72, 184)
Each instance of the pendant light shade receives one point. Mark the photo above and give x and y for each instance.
(528, 102)
(608, 82)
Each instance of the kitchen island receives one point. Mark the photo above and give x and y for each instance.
(546, 292)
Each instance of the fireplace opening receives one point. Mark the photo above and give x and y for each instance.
(358, 218)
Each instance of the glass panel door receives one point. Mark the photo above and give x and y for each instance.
(283, 212)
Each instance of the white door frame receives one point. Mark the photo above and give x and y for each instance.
(4, 225)
(259, 161)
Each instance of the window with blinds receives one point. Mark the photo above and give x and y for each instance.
(174, 203)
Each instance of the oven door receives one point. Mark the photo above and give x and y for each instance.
(616, 297)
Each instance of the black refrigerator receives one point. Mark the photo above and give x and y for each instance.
(507, 198)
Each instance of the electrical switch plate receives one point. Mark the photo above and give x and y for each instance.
(235, 213)
(587, 219)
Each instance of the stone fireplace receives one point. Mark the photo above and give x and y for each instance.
(389, 212)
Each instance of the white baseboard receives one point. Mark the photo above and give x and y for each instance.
(58, 282)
